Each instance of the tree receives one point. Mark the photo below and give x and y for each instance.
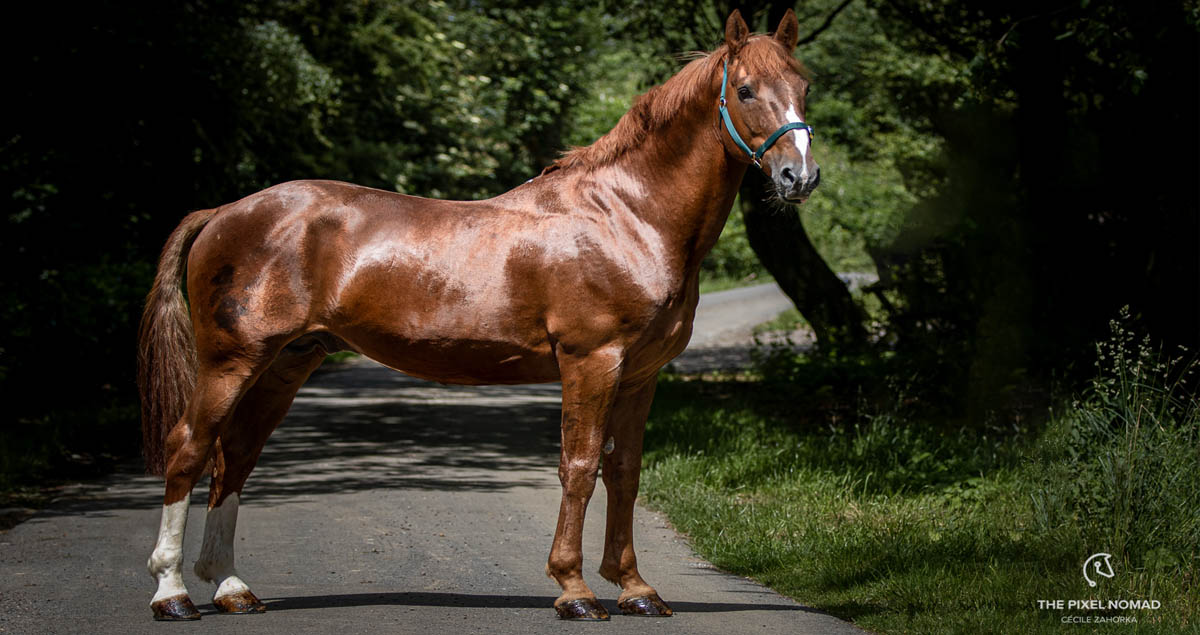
(124, 116)
(1047, 222)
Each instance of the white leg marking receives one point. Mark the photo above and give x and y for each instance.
(216, 556)
(166, 561)
(801, 137)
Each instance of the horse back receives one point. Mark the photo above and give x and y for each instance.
(462, 292)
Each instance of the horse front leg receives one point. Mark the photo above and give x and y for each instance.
(621, 473)
(589, 385)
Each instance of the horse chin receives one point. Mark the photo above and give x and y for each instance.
(789, 196)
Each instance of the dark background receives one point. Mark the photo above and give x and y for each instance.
(1049, 151)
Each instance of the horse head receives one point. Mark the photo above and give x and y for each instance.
(762, 106)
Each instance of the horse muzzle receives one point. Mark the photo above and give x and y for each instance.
(795, 185)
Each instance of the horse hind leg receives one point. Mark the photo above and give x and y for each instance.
(237, 451)
(188, 448)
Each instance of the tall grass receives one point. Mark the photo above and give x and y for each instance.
(904, 524)
(1120, 468)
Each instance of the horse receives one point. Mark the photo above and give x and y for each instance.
(586, 274)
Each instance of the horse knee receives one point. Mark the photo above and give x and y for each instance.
(578, 478)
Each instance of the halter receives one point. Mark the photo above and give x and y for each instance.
(755, 155)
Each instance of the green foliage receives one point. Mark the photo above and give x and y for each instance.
(859, 207)
(1119, 465)
(907, 525)
(180, 106)
(787, 321)
(732, 258)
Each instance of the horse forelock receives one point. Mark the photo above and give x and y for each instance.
(761, 56)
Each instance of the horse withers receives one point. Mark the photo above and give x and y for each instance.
(587, 274)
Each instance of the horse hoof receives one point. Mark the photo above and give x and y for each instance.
(175, 608)
(650, 605)
(583, 609)
(239, 603)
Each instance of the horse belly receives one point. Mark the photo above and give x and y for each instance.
(445, 338)
(460, 362)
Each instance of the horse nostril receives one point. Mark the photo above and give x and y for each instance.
(788, 176)
(816, 178)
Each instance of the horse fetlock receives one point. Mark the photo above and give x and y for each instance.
(635, 588)
(611, 576)
(160, 562)
(231, 585)
(565, 568)
(170, 584)
(630, 581)
(568, 573)
(163, 566)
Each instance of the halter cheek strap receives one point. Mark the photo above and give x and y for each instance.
(755, 155)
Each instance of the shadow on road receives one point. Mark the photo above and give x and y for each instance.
(375, 428)
(364, 427)
(495, 601)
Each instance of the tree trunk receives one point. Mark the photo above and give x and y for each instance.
(778, 239)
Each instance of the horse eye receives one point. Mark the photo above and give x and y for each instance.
(744, 93)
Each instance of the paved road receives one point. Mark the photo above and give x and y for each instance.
(721, 335)
(382, 504)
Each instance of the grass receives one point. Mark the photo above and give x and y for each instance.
(910, 526)
(713, 283)
(787, 321)
(341, 357)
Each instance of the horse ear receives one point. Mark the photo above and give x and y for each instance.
(788, 32)
(736, 32)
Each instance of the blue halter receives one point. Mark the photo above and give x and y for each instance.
(755, 155)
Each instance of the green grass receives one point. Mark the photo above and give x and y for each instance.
(787, 321)
(341, 357)
(713, 283)
(910, 526)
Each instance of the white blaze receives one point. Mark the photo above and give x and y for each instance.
(801, 138)
(165, 561)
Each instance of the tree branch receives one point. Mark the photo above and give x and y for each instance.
(824, 25)
(1000, 42)
(918, 19)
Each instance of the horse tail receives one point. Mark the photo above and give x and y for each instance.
(167, 344)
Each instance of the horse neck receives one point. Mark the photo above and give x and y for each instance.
(689, 182)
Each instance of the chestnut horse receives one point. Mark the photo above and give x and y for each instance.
(587, 274)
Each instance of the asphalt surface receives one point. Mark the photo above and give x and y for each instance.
(386, 504)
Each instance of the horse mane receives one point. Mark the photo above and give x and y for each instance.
(762, 55)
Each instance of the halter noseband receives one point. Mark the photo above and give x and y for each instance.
(755, 155)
